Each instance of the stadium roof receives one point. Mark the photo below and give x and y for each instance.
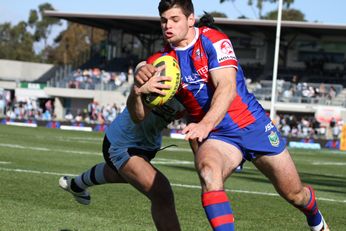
(151, 24)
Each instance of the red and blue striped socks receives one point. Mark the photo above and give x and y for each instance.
(218, 209)
(311, 211)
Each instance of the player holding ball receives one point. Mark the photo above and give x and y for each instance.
(226, 120)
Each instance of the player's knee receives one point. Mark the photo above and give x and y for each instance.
(295, 196)
(161, 192)
(210, 176)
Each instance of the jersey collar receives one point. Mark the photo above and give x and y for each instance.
(190, 44)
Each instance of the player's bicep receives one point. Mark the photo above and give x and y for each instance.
(225, 77)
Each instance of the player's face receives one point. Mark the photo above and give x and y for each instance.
(177, 29)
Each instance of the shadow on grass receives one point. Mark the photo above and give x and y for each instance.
(334, 184)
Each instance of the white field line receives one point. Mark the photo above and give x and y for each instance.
(175, 149)
(173, 184)
(171, 161)
(5, 162)
(48, 149)
(329, 163)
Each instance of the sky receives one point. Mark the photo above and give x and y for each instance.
(329, 12)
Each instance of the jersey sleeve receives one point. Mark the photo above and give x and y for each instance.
(164, 51)
(219, 49)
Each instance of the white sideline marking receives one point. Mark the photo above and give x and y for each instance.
(171, 161)
(175, 149)
(4, 162)
(173, 184)
(329, 163)
(35, 172)
(47, 149)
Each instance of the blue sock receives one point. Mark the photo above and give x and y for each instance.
(91, 177)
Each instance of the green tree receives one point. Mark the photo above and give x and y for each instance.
(287, 15)
(42, 25)
(217, 14)
(259, 4)
(74, 43)
(16, 42)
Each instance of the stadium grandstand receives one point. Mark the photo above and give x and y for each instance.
(311, 73)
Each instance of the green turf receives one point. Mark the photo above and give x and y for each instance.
(33, 159)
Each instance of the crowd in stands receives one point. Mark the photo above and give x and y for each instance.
(305, 90)
(93, 78)
(95, 113)
(30, 109)
(307, 127)
(299, 92)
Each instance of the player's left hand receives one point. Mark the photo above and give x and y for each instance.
(196, 131)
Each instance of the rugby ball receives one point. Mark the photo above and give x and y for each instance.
(172, 70)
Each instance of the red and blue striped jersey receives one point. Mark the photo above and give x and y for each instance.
(210, 50)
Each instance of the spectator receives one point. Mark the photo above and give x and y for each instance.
(322, 90)
(332, 93)
(336, 132)
(286, 129)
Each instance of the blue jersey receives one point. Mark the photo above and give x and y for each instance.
(124, 133)
(211, 50)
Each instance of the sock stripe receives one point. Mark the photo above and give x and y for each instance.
(99, 174)
(217, 210)
(221, 220)
(215, 197)
(312, 201)
(92, 176)
(83, 179)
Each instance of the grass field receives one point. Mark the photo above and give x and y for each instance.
(33, 159)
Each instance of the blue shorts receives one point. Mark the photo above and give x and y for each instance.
(116, 157)
(259, 138)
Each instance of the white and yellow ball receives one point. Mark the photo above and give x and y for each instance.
(172, 70)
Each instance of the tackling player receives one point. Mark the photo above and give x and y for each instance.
(227, 121)
(128, 148)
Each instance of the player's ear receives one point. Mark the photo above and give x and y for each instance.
(191, 20)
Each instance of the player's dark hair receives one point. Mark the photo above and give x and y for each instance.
(208, 21)
(185, 5)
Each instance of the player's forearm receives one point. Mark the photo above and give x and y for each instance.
(135, 106)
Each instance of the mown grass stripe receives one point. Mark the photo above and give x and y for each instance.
(173, 184)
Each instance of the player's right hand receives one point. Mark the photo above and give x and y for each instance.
(145, 72)
(155, 85)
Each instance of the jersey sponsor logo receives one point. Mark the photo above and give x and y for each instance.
(226, 47)
(224, 58)
(203, 71)
(274, 139)
(269, 126)
(224, 50)
(201, 83)
(191, 78)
